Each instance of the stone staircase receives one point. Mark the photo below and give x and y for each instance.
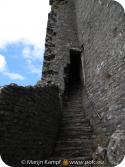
(76, 135)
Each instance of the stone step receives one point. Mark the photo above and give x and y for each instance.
(83, 158)
(77, 148)
(84, 137)
(74, 147)
(76, 131)
(71, 114)
(77, 122)
(72, 153)
(73, 111)
(73, 104)
(76, 127)
(76, 141)
(76, 118)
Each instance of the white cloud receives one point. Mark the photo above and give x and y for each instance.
(33, 69)
(31, 56)
(35, 53)
(23, 20)
(2, 63)
(14, 76)
(27, 53)
(4, 70)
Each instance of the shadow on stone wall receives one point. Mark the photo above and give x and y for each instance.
(30, 117)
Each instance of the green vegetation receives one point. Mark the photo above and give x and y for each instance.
(55, 5)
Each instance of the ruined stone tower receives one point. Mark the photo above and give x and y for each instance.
(77, 110)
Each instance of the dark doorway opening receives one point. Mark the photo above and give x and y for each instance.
(75, 67)
(73, 72)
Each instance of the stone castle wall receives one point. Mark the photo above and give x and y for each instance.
(61, 37)
(101, 34)
(30, 119)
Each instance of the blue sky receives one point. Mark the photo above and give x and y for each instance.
(22, 63)
(22, 35)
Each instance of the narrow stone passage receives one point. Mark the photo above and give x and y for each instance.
(76, 136)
